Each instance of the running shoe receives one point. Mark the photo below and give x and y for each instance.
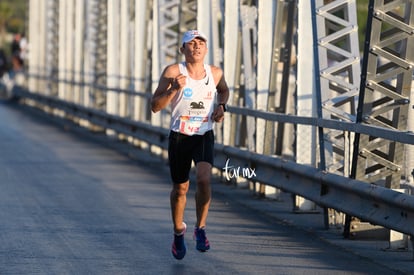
(178, 246)
(202, 242)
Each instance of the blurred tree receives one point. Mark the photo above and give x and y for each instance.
(16, 23)
(12, 20)
(6, 12)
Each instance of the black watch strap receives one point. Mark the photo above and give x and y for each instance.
(224, 106)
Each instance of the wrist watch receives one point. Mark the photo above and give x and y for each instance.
(224, 106)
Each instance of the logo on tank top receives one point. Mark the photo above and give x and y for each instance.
(188, 93)
(208, 96)
(197, 105)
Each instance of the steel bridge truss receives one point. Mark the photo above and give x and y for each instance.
(337, 59)
(385, 91)
(339, 78)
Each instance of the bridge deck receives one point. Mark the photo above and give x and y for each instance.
(70, 204)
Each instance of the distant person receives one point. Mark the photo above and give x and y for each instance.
(3, 63)
(17, 63)
(15, 45)
(23, 47)
(198, 95)
(16, 74)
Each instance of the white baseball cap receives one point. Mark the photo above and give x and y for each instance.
(192, 34)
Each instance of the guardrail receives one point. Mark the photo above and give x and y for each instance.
(372, 203)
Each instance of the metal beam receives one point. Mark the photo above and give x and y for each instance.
(339, 75)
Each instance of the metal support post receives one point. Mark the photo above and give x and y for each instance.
(248, 16)
(142, 58)
(231, 66)
(51, 43)
(113, 52)
(306, 144)
(339, 78)
(266, 28)
(97, 55)
(79, 33)
(384, 93)
(286, 54)
(125, 53)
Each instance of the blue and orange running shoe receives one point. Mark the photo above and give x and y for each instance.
(178, 246)
(202, 242)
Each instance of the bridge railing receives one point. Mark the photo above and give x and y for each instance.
(369, 202)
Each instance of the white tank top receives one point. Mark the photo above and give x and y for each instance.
(192, 107)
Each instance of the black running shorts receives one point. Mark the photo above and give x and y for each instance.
(183, 149)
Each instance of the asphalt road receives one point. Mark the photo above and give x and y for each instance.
(69, 204)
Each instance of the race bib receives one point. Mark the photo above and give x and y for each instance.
(193, 125)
